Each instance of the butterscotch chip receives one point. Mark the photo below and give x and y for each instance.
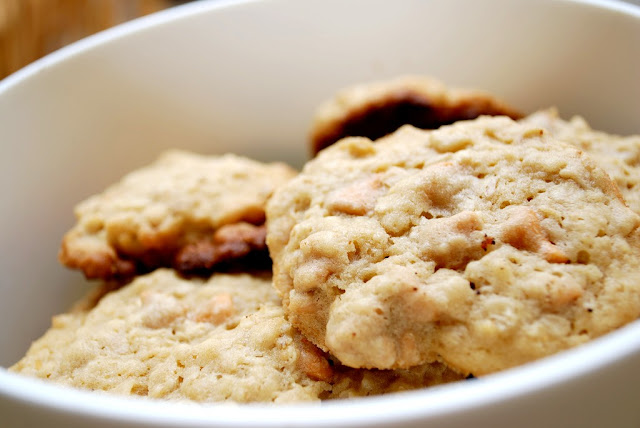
(221, 339)
(191, 212)
(487, 243)
(376, 109)
(618, 155)
(165, 337)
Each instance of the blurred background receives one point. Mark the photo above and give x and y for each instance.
(30, 29)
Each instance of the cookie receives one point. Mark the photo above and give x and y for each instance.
(191, 212)
(618, 155)
(221, 339)
(376, 109)
(486, 244)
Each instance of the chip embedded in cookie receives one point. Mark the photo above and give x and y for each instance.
(161, 336)
(376, 109)
(618, 155)
(221, 339)
(190, 212)
(486, 243)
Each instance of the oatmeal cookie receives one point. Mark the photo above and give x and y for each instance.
(485, 243)
(221, 339)
(618, 155)
(194, 213)
(376, 109)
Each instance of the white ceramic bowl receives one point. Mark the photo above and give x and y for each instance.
(245, 77)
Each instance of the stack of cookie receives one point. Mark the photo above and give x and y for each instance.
(426, 256)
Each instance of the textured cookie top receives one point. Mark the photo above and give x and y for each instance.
(224, 339)
(187, 211)
(618, 155)
(165, 337)
(376, 109)
(485, 243)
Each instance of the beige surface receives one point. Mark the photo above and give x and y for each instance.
(486, 243)
(162, 337)
(618, 155)
(223, 339)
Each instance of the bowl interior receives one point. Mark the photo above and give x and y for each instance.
(246, 77)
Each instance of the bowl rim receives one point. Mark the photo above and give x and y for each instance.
(433, 402)
(190, 9)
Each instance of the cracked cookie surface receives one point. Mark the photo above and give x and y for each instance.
(618, 155)
(486, 244)
(221, 339)
(191, 212)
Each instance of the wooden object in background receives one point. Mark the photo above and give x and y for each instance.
(30, 29)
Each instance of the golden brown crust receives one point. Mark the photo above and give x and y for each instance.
(194, 213)
(376, 109)
(100, 264)
(229, 243)
(312, 360)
